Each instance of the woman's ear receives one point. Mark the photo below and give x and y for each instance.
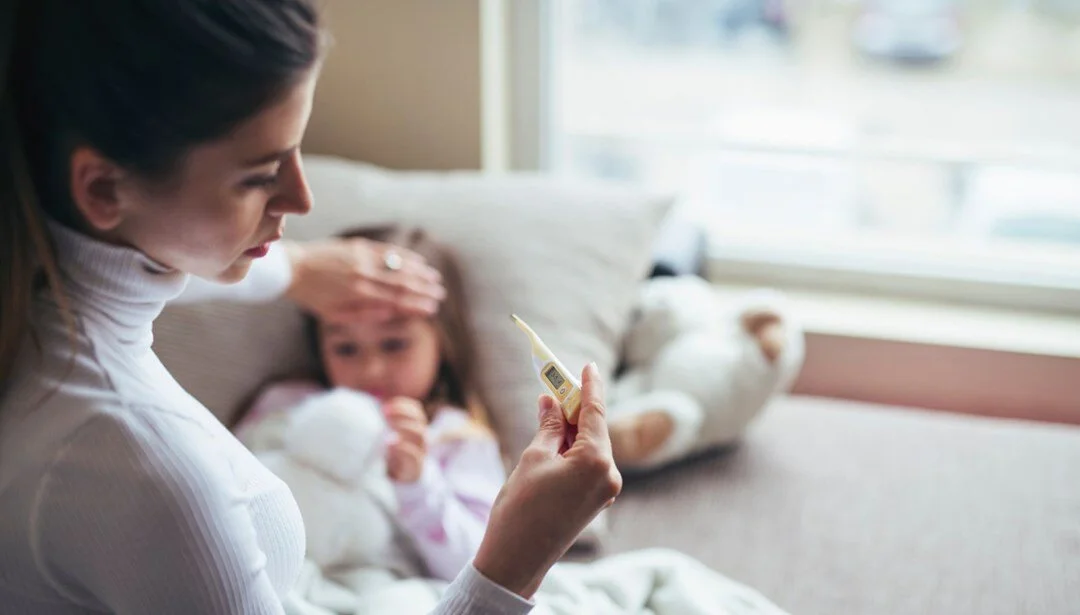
(95, 189)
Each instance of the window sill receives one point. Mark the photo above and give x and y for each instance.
(991, 362)
(1014, 330)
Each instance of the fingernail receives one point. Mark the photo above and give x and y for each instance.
(597, 382)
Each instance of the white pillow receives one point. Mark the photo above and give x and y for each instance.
(567, 256)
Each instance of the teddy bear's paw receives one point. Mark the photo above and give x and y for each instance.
(650, 430)
(767, 328)
(635, 438)
(339, 433)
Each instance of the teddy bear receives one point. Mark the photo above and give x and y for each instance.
(696, 370)
(330, 451)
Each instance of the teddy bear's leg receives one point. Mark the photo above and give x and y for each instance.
(765, 354)
(768, 328)
(654, 428)
(768, 318)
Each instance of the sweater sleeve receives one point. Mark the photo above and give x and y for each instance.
(139, 521)
(471, 593)
(267, 280)
(446, 510)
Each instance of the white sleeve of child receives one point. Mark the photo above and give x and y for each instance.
(447, 509)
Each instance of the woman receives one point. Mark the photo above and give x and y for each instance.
(142, 142)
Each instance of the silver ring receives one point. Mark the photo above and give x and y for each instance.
(392, 260)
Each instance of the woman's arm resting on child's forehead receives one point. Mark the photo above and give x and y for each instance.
(353, 279)
(331, 278)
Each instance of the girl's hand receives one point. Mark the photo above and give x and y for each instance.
(405, 455)
(349, 279)
(553, 493)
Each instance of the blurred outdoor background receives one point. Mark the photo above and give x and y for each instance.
(941, 134)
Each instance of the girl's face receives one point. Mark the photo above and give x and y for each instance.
(397, 358)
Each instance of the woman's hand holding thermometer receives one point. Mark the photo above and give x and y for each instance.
(553, 493)
(553, 374)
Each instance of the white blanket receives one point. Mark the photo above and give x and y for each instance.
(648, 582)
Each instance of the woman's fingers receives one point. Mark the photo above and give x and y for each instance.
(350, 279)
(412, 275)
(592, 417)
(394, 290)
(421, 305)
(568, 441)
(407, 260)
(550, 495)
(552, 430)
(362, 312)
(592, 442)
(413, 266)
(414, 286)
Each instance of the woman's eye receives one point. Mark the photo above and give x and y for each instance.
(394, 345)
(261, 181)
(345, 350)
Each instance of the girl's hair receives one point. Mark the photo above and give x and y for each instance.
(457, 381)
(140, 81)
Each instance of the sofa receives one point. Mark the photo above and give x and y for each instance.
(827, 507)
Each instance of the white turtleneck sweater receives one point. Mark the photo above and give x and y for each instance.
(121, 493)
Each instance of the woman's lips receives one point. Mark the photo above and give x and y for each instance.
(263, 248)
(258, 251)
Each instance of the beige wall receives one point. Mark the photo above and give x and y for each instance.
(401, 86)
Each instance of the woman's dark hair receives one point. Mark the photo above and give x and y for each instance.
(142, 82)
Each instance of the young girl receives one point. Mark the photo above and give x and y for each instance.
(441, 457)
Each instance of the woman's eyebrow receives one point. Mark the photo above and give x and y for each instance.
(271, 157)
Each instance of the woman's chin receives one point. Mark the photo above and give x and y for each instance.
(235, 272)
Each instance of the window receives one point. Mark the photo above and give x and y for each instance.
(921, 146)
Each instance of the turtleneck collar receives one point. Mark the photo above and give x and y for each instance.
(122, 284)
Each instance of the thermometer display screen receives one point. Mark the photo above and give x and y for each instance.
(554, 377)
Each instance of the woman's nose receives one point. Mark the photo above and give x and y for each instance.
(295, 196)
